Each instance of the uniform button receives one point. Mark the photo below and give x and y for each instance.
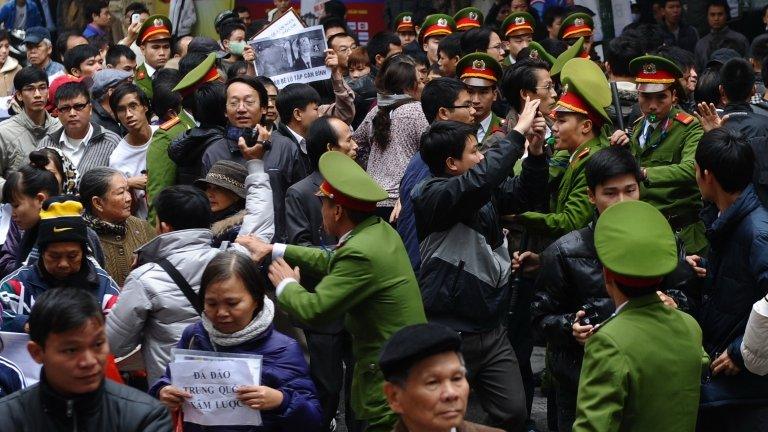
(372, 367)
(118, 238)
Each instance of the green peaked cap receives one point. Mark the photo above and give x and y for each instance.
(538, 51)
(348, 178)
(633, 239)
(571, 53)
(198, 75)
(584, 77)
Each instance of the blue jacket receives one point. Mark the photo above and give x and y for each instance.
(737, 276)
(283, 368)
(19, 289)
(8, 15)
(415, 172)
(11, 378)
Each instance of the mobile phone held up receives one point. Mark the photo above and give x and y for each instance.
(135, 18)
(251, 137)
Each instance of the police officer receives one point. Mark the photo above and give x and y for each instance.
(578, 25)
(368, 279)
(433, 30)
(664, 141)
(517, 29)
(154, 40)
(480, 73)
(468, 18)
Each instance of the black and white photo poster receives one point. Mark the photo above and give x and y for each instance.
(296, 56)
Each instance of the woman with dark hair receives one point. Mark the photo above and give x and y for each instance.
(63, 169)
(25, 190)
(237, 318)
(106, 198)
(482, 39)
(389, 135)
(8, 65)
(708, 89)
(131, 107)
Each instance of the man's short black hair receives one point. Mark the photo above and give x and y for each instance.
(209, 99)
(28, 75)
(728, 156)
(552, 13)
(738, 80)
(240, 9)
(663, 3)
(116, 52)
(74, 57)
(94, 7)
(229, 27)
(440, 92)
(450, 45)
(294, 96)
(379, 44)
(71, 90)
(720, 3)
(518, 77)
(620, 51)
(136, 7)
(335, 8)
(708, 88)
(321, 135)
(333, 21)
(608, 163)
(254, 84)
(61, 42)
(442, 140)
(184, 207)
(338, 36)
(60, 310)
(475, 40)
(163, 96)
(124, 89)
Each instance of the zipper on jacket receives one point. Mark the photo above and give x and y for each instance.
(456, 280)
(71, 414)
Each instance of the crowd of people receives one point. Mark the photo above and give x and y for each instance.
(462, 188)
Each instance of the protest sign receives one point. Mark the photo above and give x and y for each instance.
(287, 23)
(14, 349)
(211, 378)
(295, 56)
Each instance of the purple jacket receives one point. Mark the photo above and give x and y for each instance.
(283, 368)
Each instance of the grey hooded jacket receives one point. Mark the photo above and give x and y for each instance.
(19, 136)
(152, 310)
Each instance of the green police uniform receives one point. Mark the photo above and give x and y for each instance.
(571, 53)
(482, 70)
(538, 51)
(576, 25)
(161, 171)
(667, 154)
(368, 279)
(404, 23)
(468, 18)
(587, 92)
(516, 24)
(436, 25)
(155, 28)
(642, 368)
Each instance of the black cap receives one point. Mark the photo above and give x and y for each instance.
(206, 46)
(721, 56)
(411, 344)
(35, 35)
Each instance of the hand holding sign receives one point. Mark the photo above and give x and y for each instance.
(260, 397)
(173, 397)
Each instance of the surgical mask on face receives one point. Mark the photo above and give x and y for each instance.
(237, 48)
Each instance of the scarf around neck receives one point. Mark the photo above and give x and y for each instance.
(103, 227)
(385, 100)
(255, 328)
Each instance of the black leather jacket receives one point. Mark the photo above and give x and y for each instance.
(113, 407)
(570, 277)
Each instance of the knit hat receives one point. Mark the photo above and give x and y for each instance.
(105, 79)
(60, 222)
(226, 174)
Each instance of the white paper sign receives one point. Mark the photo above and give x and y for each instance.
(289, 22)
(295, 56)
(14, 349)
(212, 386)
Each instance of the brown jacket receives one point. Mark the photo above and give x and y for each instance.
(463, 427)
(118, 250)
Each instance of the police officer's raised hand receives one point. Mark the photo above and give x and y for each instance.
(173, 397)
(525, 121)
(581, 332)
(619, 138)
(279, 270)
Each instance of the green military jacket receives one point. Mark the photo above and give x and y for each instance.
(642, 371)
(143, 80)
(671, 183)
(572, 209)
(369, 281)
(161, 171)
(494, 134)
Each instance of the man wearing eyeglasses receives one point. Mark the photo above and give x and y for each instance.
(20, 134)
(86, 144)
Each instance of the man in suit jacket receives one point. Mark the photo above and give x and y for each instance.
(304, 58)
(642, 367)
(367, 279)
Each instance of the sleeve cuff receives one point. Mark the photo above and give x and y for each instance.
(278, 251)
(281, 286)
(255, 166)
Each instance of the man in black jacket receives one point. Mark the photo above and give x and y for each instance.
(571, 298)
(66, 329)
(465, 271)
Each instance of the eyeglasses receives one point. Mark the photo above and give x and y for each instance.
(42, 88)
(68, 108)
(344, 49)
(547, 87)
(249, 103)
(467, 106)
(497, 47)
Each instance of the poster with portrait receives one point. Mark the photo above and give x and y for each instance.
(295, 56)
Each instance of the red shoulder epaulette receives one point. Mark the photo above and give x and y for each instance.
(497, 129)
(582, 153)
(684, 118)
(170, 123)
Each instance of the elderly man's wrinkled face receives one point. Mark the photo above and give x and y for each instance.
(434, 396)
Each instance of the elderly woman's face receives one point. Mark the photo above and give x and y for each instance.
(115, 205)
(229, 305)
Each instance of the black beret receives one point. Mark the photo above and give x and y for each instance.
(411, 344)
